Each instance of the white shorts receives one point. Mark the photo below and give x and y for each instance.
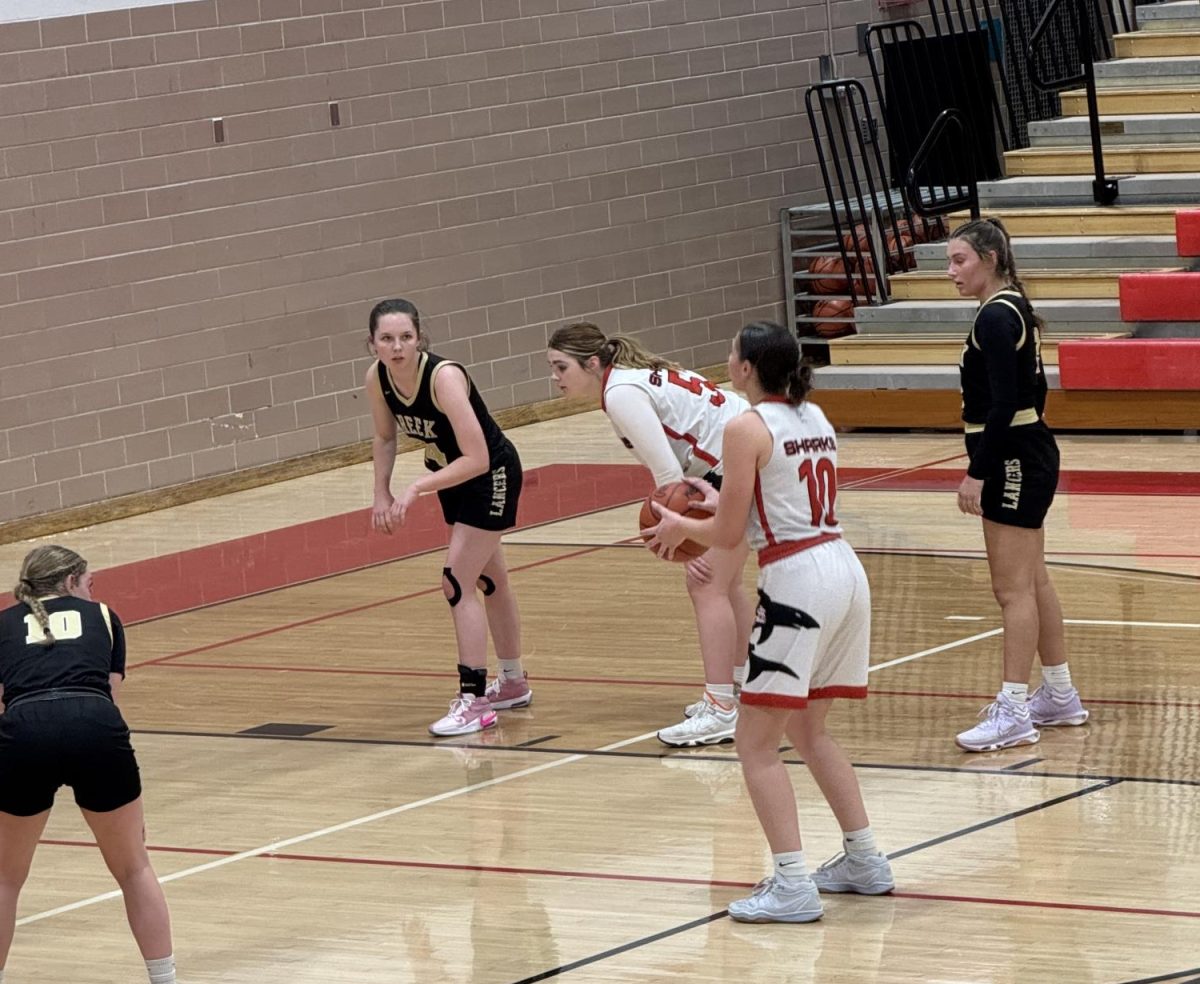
(812, 632)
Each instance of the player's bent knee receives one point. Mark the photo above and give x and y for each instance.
(450, 587)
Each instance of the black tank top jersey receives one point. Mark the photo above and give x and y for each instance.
(421, 418)
(1003, 381)
(89, 645)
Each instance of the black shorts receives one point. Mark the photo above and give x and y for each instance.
(488, 501)
(81, 742)
(1021, 487)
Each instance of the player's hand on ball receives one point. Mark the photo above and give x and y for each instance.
(665, 536)
(710, 494)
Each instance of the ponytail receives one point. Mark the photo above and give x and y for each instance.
(44, 572)
(582, 340)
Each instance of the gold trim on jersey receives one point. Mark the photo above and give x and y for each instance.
(107, 622)
(433, 376)
(1020, 419)
(1000, 300)
(407, 401)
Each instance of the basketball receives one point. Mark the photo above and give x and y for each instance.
(678, 497)
(835, 282)
(833, 309)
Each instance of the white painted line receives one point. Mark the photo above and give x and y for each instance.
(1140, 625)
(964, 618)
(336, 828)
(935, 649)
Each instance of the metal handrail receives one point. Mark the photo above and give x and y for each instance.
(943, 206)
(1105, 190)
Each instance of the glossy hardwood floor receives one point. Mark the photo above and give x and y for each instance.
(309, 829)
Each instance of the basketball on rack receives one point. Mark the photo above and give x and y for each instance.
(678, 497)
(834, 309)
(835, 282)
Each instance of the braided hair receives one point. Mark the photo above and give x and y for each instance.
(44, 572)
(989, 236)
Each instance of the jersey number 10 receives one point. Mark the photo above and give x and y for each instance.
(63, 625)
(820, 478)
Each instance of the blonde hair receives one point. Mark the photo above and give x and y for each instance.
(583, 339)
(989, 236)
(44, 572)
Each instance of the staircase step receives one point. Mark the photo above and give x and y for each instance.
(1040, 285)
(1156, 128)
(1146, 189)
(1074, 252)
(1121, 220)
(1066, 317)
(1141, 159)
(1125, 73)
(1181, 16)
(1116, 102)
(924, 349)
(1158, 44)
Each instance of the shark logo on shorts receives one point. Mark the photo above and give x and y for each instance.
(770, 616)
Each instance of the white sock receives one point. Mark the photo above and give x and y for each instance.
(1057, 677)
(860, 842)
(161, 971)
(739, 674)
(1018, 693)
(790, 866)
(510, 669)
(722, 694)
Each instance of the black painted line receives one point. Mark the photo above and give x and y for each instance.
(657, 755)
(954, 835)
(1168, 977)
(535, 741)
(1020, 765)
(623, 948)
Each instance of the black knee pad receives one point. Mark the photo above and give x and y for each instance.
(489, 586)
(456, 597)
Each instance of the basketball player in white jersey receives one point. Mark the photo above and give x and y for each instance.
(812, 633)
(672, 420)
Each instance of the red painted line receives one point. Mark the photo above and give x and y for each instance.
(158, 661)
(339, 544)
(858, 477)
(654, 879)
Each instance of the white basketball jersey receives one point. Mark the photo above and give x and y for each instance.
(693, 412)
(795, 494)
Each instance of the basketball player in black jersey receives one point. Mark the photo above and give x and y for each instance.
(475, 471)
(1010, 483)
(62, 660)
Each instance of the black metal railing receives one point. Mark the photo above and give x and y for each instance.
(1105, 190)
(955, 157)
(872, 226)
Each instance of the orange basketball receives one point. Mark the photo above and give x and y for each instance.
(833, 309)
(834, 284)
(678, 497)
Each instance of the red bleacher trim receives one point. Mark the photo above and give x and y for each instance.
(1129, 364)
(1160, 296)
(1187, 231)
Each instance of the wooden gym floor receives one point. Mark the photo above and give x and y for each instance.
(285, 664)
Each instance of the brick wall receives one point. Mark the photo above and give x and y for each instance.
(173, 308)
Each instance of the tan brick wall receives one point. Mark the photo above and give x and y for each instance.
(172, 308)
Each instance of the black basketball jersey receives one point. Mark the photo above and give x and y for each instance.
(1003, 381)
(89, 645)
(423, 419)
